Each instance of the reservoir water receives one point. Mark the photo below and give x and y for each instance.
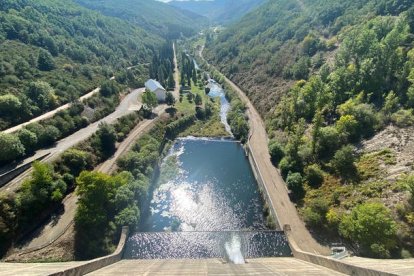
(206, 204)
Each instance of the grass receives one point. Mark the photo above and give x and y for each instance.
(211, 127)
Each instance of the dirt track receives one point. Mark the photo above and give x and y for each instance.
(276, 187)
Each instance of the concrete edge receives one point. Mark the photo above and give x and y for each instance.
(330, 263)
(98, 263)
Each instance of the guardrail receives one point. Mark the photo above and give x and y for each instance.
(10, 175)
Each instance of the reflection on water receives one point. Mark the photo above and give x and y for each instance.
(206, 205)
(217, 91)
(212, 189)
(232, 246)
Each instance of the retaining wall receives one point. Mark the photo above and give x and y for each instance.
(98, 263)
(259, 179)
(10, 175)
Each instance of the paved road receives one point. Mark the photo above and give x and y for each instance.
(56, 227)
(276, 187)
(127, 105)
(50, 113)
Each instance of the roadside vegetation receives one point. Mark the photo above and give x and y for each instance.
(47, 61)
(42, 193)
(332, 76)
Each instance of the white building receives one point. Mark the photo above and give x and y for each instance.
(155, 87)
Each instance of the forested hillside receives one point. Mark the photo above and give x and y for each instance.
(221, 11)
(328, 75)
(52, 51)
(154, 16)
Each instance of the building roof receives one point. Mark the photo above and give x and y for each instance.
(153, 85)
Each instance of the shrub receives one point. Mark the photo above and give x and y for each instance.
(344, 162)
(276, 152)
(294, 183)
(314, 175)
(371, 226)
(10, 147)
(403, 118)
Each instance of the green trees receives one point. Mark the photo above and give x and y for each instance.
(169, 99)
(77, 161)
(45, 61)
(106, 138)
(9, 105)
(28, 139)
(10, 148)
(39, 192)
(42, 94)
(198, 100)
(294, 183)
(276, 152)
(371, 226)
(149, 99)
(314, 175)
(344, 162)
(109, 88)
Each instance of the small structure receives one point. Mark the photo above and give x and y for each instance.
(155, 87)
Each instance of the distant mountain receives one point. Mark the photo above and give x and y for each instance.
(153, 16)
(220, 11)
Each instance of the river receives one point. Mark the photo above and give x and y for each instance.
(206, 203)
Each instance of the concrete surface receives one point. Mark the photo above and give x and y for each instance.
(269, 266)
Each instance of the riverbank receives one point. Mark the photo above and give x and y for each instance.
(276, 187)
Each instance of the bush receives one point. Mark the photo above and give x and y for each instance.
(403, 118)
(371, 226)
(314, 175)
(294, 183)
(344, 162)
(76, 161)
(28, 139)
(276, 152)
(10, 147)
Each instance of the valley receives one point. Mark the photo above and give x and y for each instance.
(240, 136)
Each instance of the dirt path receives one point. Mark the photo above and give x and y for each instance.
(47, 235)
(276, 187)
(50, 113)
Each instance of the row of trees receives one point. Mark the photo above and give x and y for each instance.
(62, 55)
(162, 66)
(106, 203)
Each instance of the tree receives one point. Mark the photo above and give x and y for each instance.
(348, 128)
(371, 226)
(169, 99)
(109, 88)
(10, 147)
(276, 152)
(328, 141)
(77, 161)
(49, 136)
(28, 139)
(9, 105)
(314, 175)
(45, 61)
(107, 138)
(344, 162)
(294, 183)
(198, 100)
(42, 94)
(149, 99)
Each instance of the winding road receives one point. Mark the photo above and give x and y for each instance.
(57, 226)
(275, 185)
(129, 104)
